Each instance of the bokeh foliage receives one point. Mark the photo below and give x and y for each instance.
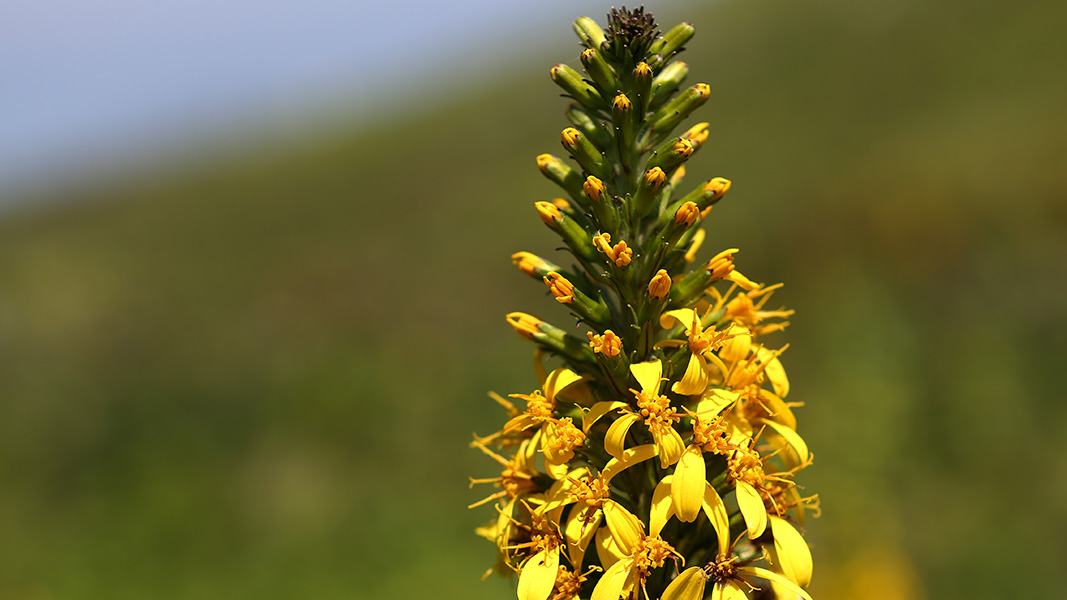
(259, 380)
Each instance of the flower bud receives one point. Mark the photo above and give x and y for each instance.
(687, 214)
(674, 112)
(590, 126)
(532, 265)
(651, 184)
(667, 81)
(698, 134)
(561, 288)
(672, 154)
(600, 71)
(717, 188)
(588, 156)
(660, 285)
(607, 344)
(572, 83)
(721, 265)
(565, 293)
(594, 188)
(525, 325)
(589, 32)
(671, 42)
(642, 86)
(549, 213)
(560, 174)
(620, 254)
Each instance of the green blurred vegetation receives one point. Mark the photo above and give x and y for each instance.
(259, 380)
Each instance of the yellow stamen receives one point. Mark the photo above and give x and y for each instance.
(562, 289)
(686, 214)
(660, 285)
(594, 188)
(608, 344)
(548, 212)
(526, 325)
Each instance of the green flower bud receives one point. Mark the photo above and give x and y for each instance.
(667, 81)
(589, 32)
(600, 72)
(562, 175)
(588, 155)
(671, 43)
(572, 83)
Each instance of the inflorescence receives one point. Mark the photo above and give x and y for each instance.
(659, 461)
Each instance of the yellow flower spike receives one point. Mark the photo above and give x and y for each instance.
(594, 188)
(526, 325)
(607, 344)
(690, 479)
(688, 585)
(660, 285)
(687, 214)
(794, 556)
(549, 213)
(561, 288)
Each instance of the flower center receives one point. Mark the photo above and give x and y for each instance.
(656, 410)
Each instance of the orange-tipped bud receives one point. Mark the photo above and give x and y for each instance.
(594, 188)
(562, 289)
(718, 186)
(526, 325)
(561, 203)
(655, 177)
(683, 148)
(698, 134)
(687, 214)
(722, 264)
(549, 213)
(608, 344)
(570, 137)
(544, 161)
(642, 70)
(622, 103)
(529, 263)
(660, 285)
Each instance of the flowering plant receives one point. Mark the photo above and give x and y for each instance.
(659, 460)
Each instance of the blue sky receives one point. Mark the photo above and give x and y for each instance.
(86, 86)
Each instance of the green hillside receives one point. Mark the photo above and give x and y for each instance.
(259, 380)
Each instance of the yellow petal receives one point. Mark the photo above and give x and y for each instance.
(771, 576)
(688, 585)
(629, 458)
(626, 529)
(743, 282)
(737, 347)
(669, 445)
(690, 481)
(615, 439)
(752, 509)
(718, 365)
(578, 534)
(648, 375)
(662, 506)
(794, 556)
(792, 438)
(738, 430)
(538, 575)
(606, 549)
(774, 371)
(613, 581)
(695, 380)
(556, 471)
(558, 380)
(715, 510)
(599, 410)
(715, 401)
(779, 411)
(560, 492)
(681, 316)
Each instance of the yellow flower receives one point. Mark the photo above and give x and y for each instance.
(607, 344)
(660, 285)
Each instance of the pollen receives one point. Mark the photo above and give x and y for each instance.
(607, 344)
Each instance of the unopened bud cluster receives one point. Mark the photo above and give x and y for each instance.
(657, 456)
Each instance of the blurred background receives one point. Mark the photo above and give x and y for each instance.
(254, 266)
